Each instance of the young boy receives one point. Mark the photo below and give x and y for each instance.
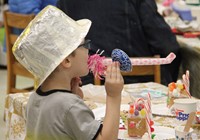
(53, 49)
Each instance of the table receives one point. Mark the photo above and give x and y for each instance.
(15, 105)
(190, 50)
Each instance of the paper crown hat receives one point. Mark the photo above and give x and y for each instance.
(48, 39)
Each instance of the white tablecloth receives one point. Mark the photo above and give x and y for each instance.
(15, 105)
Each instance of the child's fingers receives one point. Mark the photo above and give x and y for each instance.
(116, 70)
(112, 74)
(80, 83)
(76, 81)
(108, 72)
(112, 71)
(119, 77)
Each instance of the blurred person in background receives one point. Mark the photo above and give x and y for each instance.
(27, 7)
(134, 26)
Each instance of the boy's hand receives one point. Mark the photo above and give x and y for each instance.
(75, 88)
(114, 81)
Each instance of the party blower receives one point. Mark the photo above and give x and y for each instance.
(97, 63)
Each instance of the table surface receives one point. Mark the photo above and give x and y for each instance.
(190, 51)
(189, 42)
(16, 103)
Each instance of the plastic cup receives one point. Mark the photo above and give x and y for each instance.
(182, 108)
(181, 135)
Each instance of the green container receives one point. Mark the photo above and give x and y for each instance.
(192, 2)
(2, 34)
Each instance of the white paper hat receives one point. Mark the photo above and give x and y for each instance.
(49, 38)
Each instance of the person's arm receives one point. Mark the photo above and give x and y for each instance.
(35, 6)
(26, 7)
(160, 38)
(114, 84)
(158, 33)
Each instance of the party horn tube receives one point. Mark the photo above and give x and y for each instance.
(146, 61)
(97, 63)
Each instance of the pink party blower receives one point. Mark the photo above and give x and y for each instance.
(97, 63)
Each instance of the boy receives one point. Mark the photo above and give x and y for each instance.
(53, 49)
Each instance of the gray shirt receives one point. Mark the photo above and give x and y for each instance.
(59, 115)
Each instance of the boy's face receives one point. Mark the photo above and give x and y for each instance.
(80, 60)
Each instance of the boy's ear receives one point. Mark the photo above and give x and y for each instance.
(66, 63)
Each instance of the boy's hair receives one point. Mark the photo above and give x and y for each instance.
(48, 40)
